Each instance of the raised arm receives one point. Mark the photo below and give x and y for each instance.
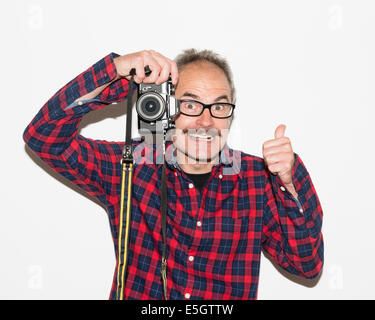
(53, 133)
(292, 228)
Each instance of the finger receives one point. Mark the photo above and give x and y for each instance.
(277, 149)
(276, 142)
(274, 168)
(154, 67)
(280, 131)
(173, 71)
(284, 157)
(278, 167)
(155, 71)
(164, 74)
(139, 71)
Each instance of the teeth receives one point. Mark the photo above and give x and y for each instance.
(199, 136)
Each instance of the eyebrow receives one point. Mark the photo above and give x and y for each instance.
(194, 96)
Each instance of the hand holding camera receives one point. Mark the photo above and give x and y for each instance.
(160, 66)
(156, 76)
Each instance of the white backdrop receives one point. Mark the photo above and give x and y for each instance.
(308, 64)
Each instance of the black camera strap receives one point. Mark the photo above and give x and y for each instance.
(163, 205)
(127, 163)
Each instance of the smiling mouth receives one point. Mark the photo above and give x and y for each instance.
(202, 137)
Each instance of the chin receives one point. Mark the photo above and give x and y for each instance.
(199, 157)
(199, 152)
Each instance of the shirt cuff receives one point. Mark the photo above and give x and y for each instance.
(81, 102)
(104, 70)
(299, 177)
(99, 74)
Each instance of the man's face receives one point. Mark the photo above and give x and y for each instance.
(207, 83)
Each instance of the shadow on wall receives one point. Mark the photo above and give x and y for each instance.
(111, 111)
(59, 177)
(309, 283)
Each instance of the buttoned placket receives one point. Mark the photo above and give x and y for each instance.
(197, 234)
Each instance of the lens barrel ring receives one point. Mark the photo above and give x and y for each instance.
(142, 104)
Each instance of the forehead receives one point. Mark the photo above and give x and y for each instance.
(203, 79)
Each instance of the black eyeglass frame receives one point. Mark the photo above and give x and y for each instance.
(206, 106)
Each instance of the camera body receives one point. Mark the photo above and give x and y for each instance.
(156, 107)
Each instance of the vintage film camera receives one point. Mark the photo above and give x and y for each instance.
(156, 107)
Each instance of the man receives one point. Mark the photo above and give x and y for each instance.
(217, 222)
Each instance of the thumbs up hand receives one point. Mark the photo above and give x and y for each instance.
(279, 158)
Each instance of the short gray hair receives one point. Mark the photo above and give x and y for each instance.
(193, 55)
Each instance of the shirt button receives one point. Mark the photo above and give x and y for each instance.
(80, 103)
(220, 176)
(282, 188)
(301, 210)
(199, 224)
(191, 185)
(191, 258)
(175, 174)
(187, 295)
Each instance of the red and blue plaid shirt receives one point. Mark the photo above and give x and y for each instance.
(215, 237)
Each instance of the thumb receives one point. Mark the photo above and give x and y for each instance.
(280, 131)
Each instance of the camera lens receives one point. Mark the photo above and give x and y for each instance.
(150, 106)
